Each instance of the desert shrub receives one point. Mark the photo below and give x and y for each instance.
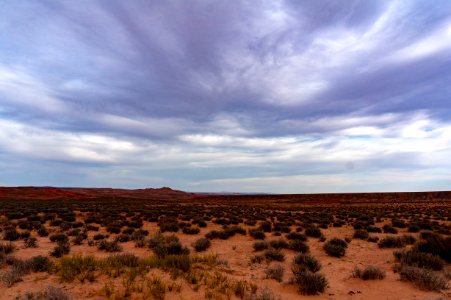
(274, 255)
(118, 261)
(257, 259)
(42, 232)
(190, 230)
(279, 244)
(373, 229)
(211, 235)
(389, 229)
(179, 262)
(309, 283)
(10, 234)
(391, 242)
(60, 249)
(313, 232)
(49, 293)
(91, 227)
(259, 246)
(170, 225)
(109, 246)
(257, 234)
(40, 264)
(413, 228)
(298, 246)
(59, 237)
(167, 245)
(202, 244)
(98, 236)
(373, 239)
(123, 238)
(265, 226)
(335, 247)
(423, 278)
(434, 243)
(11, 276)
(398, 223)
(31, 242)
(77, 267)
(296, 236)
(360, 234)
(6, 248)
(420, 259)
(275, 272)
(369, 273)
(305, 261)
(408, 239)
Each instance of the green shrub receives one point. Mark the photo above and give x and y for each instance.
(77, 267)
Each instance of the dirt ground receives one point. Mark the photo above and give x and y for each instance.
(235, 253)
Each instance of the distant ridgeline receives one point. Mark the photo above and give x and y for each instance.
(165, 193)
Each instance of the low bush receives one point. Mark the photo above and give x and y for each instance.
(309, 283)
(49, 293)
(257, 234)
(305, 262)
(434, 243)
(260, 246)
(360, 234)
(423, 278)
(369, 273)
(296, 236)
(59, 237)
(275, 272)
(201, 244)
(274, 255)
(61, 249)
(190, 230)
(167, 245)
(396, 242)
(41, 264)
(77, 267)
(420, 259)
(298, 246)
(279, 244)
(335, 247)
(6, 248)
(313, 232)
(109, 246)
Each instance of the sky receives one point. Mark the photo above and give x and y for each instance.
(239, 96)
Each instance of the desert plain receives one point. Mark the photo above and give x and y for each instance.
(70, 243)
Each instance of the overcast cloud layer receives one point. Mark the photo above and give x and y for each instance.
(245, 96)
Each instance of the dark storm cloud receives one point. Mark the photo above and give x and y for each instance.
(190, 84)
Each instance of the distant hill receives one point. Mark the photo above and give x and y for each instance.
(55, 193)
(170, 195)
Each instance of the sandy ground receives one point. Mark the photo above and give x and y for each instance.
(236, 251)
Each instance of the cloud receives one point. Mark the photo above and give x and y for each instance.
(218, 95)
